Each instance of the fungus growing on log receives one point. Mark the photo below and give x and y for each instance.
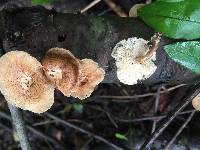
(62, 69)
(23, 83)
(73, 77)
(91, 75)
(135, 59)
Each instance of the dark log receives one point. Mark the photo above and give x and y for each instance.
(37, 29)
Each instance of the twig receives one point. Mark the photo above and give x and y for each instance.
(116, 8)
(111, 119)
(148, 118)
(170, 118)
(20, 127)
(85, 146)
(43, 123)
(180, 130)
(43, 136)
(139, 96)
(83, 131)
(156, 108)
(93, 3)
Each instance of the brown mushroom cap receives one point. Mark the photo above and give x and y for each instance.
(91, 76)
(23, 83)
(73, 77)
(62, 69)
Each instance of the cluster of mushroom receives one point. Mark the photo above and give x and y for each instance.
(29, 85)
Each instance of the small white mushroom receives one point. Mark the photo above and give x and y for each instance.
(23, 83)
(135, 59)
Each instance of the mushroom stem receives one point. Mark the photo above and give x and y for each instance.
(155, 40)
(20, 127)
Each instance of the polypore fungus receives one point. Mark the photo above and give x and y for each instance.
(23, 83)
(73, 77)
(135, 59)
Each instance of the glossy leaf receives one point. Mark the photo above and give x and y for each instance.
(186, 54)
(175, 20)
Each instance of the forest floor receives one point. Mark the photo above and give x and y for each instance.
(115, 114)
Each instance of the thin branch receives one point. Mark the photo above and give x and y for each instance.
(149, 117)
(20, 127)
(83, 131)
(138, 96)
(111, 119)
(180, 130)
(156, 108)
(170, 118)
(93, 3)
(116, 8)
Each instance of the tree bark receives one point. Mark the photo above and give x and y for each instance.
(37, 29)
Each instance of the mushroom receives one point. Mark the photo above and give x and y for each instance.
(196, 102)
(134, 59)
(91, 75)
(62, 69)
(73, 77)
(23, 83)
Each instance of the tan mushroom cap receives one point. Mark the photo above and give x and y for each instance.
(196, 102)
(73, 77)
(23, 83)
(62, 69)
(91, 76)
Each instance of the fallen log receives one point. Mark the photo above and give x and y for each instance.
(36, 29)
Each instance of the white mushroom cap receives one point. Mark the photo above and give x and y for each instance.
(129, 69)
(23, 83)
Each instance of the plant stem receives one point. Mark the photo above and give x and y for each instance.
(20, 127)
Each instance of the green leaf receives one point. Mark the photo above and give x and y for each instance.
(170, 1)
(179, 20)
(40, 2)
(78, 107)
(120, 136)
(186, 54)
